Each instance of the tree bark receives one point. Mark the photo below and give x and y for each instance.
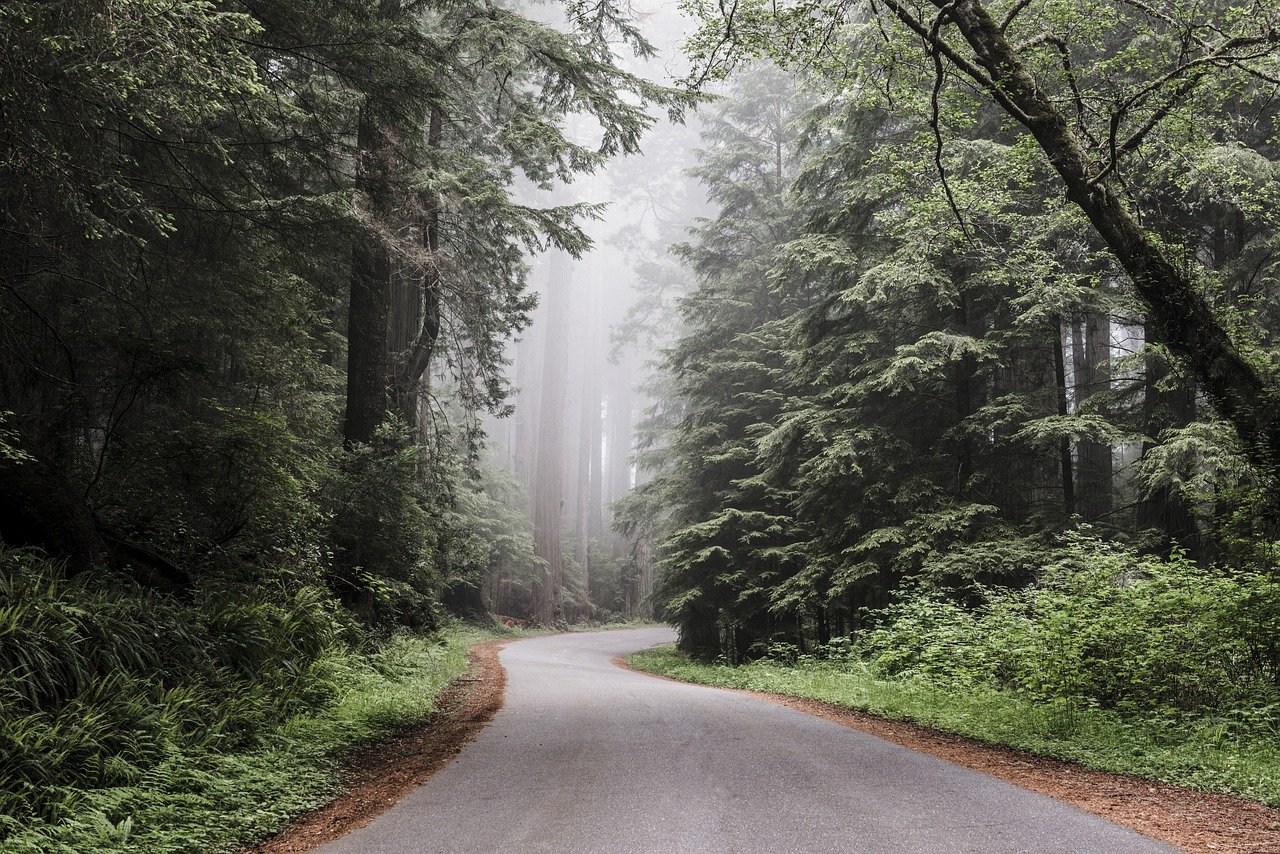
(528, 400)
(370, 306)
(369, 309)
(1064, 445)
(966, 374)
(419, 327)
(589, 494)
(1093, 375)
(620, 429)
(699, 636)
(1164, 509)
(548, 489)
(595, 519)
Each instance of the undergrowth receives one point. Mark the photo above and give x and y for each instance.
(136, 721)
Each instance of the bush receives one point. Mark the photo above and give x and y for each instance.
(102, 681)
(1105, 626)
(384, 541)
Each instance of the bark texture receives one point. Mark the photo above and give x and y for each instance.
(548, 497)
(369, 310)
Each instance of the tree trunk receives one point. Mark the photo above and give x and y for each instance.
(548, 488)
(1164, 509)
(595, 520)
(1093, 374)
(1024, 481)
(620, 429)
(966, 371)
(1064, 446)
(582, 514)
(699, 637)
(589, 443)
(416, 326)
(528, 400)
(370, 306)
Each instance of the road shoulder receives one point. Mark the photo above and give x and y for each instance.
(1188, 819)
(378, 777)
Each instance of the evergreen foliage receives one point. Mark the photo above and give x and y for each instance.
(968, 370)
(920, 364)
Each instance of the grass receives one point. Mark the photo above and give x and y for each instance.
(1200, 753)
(212, 801)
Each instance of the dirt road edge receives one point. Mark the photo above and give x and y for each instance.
(1192, 820)
(378, 777)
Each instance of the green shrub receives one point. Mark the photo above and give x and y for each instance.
(102, 681)
(136, 721)
(1102, 626)
(1200, 752)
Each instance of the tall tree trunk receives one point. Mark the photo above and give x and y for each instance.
(620, 429)
(643, 604)
(1093, 367)
(966, 370)
(1165, 509)
(370, 305)
(1064, 446)
(595, 519)
(416, 324)
(588, 430)
(582, 512)
(528, 400)
(1024, 481)
(700, 636)
(619, 451)
(548, 490)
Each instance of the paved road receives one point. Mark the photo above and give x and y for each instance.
(587, 757)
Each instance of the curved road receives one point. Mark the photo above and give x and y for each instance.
(588, 757)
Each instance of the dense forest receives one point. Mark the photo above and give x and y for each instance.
(264, 268)
(936, 335)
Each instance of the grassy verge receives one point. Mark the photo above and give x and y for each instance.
(1199, 753)
(219, 801)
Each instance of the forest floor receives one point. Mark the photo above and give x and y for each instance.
(1188, 818)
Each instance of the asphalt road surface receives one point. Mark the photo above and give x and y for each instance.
(588, 757)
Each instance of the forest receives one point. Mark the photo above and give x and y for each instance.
(934, 340)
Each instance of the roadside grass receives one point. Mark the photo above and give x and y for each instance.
(611, 626)
(213, 801)
(1202, 753)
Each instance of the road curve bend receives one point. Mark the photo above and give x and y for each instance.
(587, 757)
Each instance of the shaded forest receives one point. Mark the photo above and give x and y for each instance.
(936, 335)
(267, 279)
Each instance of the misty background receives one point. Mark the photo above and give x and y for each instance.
(583, 369)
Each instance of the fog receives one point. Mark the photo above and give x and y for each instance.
(582, 367)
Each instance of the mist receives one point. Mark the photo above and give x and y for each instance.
(582, 368)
